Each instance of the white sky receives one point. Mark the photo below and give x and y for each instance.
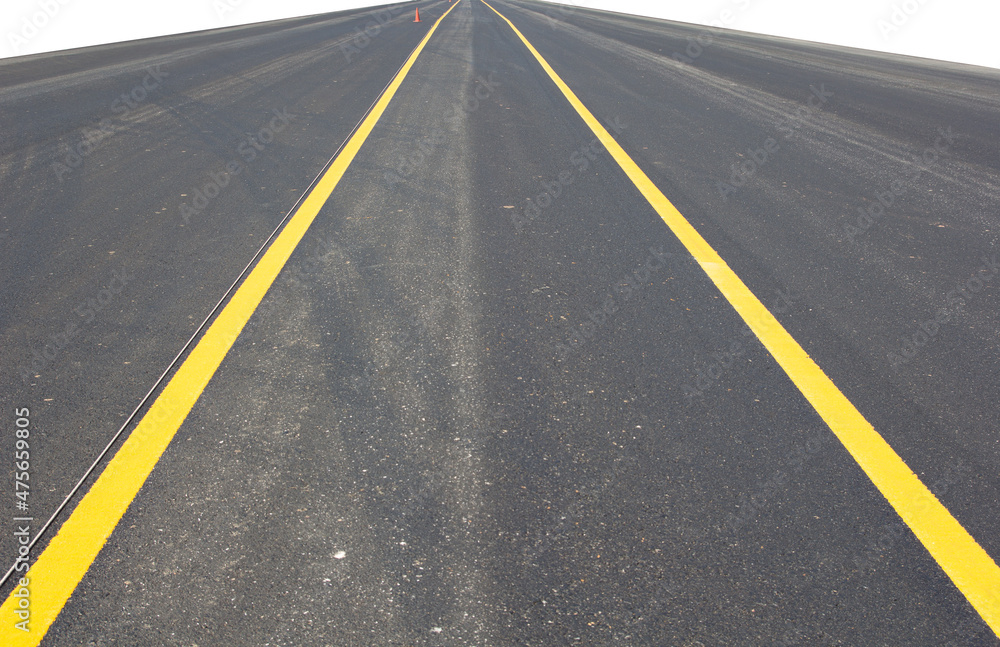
(964, 31)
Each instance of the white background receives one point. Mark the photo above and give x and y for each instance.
(963, 31)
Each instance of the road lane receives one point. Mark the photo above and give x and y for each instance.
(971, 569)
(861, 299)
(106, 270)
(67, 557)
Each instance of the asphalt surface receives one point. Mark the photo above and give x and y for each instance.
(491, 400)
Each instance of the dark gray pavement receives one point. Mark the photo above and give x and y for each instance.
(481, 406)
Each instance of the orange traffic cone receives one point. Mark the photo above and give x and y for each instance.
(417, 19)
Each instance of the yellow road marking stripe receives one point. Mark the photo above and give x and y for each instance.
(66, 559)
(969, 566)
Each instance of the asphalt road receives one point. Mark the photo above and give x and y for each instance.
(491, 399)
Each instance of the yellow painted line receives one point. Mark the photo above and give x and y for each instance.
(969, 566)
(52, 579)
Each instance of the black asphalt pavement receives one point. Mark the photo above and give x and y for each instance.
(491, 399)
